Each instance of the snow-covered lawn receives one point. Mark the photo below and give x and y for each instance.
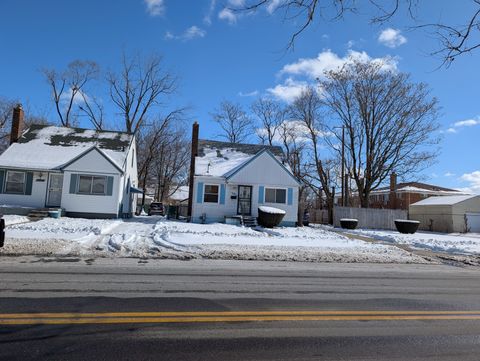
(155, 237)
(455, 243)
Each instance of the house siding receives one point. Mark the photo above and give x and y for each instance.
(263, 172)
(38, 192)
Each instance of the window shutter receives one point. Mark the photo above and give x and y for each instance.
(109, 186)
(2, 180)
(73, 183)
(222, 193)
(200, 192)
(290, 196)
(261, 192)
(29, 183)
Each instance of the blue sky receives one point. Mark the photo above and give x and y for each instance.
(218, 55)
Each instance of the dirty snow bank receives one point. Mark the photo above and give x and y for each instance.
(154, 237)
(11, 219)
(454, 243)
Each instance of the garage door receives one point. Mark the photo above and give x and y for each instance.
(473, 222)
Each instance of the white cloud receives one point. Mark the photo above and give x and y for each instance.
(455, 127)
(207, 19)
(391, 38)
(474, 180)
(249, 94)
(327, 60)
(273, 5)
(227, 15)
(191, 33)
(467, 123)
(449, 174)
(289, 90)
(155, 7)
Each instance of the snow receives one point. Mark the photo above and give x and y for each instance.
(443, 200)
(271, 210)
(407, 221)
(455, 243)
(11, 219)
(180, 194)
(349, 220)
(156, 237)
(49, 156)
(214, 165)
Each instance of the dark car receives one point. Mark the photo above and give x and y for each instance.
(156, 209)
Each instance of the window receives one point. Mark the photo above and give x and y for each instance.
(92, 185)
(210, 195)
(275, 195)
(15, 183)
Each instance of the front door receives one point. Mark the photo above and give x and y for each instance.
(55, 185)
(244, 205)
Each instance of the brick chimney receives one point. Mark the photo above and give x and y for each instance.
(194, 153)
(392, 198)
(17, 124)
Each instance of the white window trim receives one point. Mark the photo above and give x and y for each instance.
(24, 182)
(271, 187)
(91, 187)
(218, 194)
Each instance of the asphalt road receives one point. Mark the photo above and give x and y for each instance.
(129, 309)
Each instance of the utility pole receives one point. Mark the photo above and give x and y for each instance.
(344, 191)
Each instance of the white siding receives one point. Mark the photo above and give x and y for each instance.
(35, 200)
(92, 163)
(262, 171)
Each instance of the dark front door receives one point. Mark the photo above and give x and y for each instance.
(244, 205)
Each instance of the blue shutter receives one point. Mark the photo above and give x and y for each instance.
(2, 180)
(222, 193)
(290, 196)
(110, 186)
(73, 183)
(29, 183)
(200, 192)
(261, 192)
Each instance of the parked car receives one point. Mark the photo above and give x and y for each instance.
(156, 209)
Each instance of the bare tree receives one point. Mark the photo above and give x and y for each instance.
(140, 86)
(270, 115)
(234, 122)
(306, 12)
(153, 142)
(306, 112)
(68, 87)
(390, 122)
(6, 112)
(454, 39)
(93, 109)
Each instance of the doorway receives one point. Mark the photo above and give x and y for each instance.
(55, 185)
(244, 204)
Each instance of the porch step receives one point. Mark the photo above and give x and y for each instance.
(248, 221)
(38, 214)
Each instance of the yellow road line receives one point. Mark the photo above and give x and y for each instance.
(226, 313)
(123, 320)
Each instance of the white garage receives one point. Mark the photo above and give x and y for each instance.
(448, 214)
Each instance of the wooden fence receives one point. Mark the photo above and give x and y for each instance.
(370, 217)
(319, 216)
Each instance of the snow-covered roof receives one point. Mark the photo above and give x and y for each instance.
(218, 159)
(180, 194)
(46, 147)
(444, 200)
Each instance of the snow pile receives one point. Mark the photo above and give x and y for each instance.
(271, 210)
(11, 219)
(62, 228)
(454, 243)
(155, 237)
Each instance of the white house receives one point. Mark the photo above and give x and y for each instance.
(87, 173)
(235, 179)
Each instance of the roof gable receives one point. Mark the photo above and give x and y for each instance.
(93, 149)
(250, 161)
